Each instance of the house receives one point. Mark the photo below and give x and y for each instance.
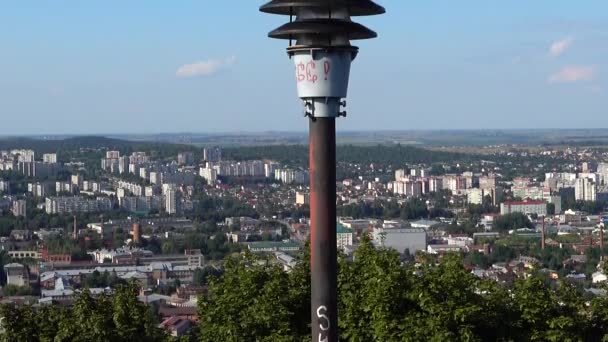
(553, 275)
(260, 247)
(598, 277)
(440, 249)
(176, 326)
(139, 277)
(344, 236)
(575, 262)
(286, 260)
(21, 235)
(16, 274)
(576, 277)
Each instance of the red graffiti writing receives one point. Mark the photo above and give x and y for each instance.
(310, 72)
(300, 68)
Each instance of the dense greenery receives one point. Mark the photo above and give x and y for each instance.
(380, 154)
(14, 290)
(381, 300)
(512, 221)
(216, 209)
(119, 317)
(413, 209)
(105, 279)
(66, 147)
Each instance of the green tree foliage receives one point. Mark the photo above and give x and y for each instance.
(381, 154)
(380, 299)
(216, 209)
(512, 221)
(202, 276)
(255, 301)
(105, 279)
(411, 210)
(14, 290)
(120, 317)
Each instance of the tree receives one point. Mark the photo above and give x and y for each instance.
(120, 317)
(512, 221)
(252, 301)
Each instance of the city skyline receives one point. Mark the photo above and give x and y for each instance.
(190, 67)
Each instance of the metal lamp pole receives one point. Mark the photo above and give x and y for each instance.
(322, 54)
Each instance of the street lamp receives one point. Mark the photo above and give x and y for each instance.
(322, 54)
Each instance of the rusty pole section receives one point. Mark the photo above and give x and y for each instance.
(323, 246)
(601, 236)
(542, 238)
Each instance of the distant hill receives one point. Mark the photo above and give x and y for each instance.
(381, 154)
(86, 142)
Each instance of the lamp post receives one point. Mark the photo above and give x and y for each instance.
(322, 54)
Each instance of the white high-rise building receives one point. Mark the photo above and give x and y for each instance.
(123, 164)
(171, 200)
(155, 177)
(112, 154)
(49, 158)
(77, 180)
(212, 154)
(585, 190)
(24, 155)
(602, 171)
(209, 174)
(19, 208)
(269, 169)
(401, 175)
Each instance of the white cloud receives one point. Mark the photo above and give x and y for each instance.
(204, 68)
(559, 47)
(571, 74)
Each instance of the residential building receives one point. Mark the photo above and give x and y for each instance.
(19, 208)
(16, 274)
(209, 174)
(155, 178)
(435, 184)
(344, 236)
(269, 169)
(76, 204)
(302, 198)
(487, 182)
(37, 189)
(5, 186)
(524, 207)
(400, 239)
(410, 188)
(49, 158)
(139, 158)
(77, 180)
(557, 202)
(185, 158)
(123, 164)
(141, 204)
(212, 154)
(176, 326)
(171, 200)
(261, 247)
(585, 190)
(112, 154)
(24, 155)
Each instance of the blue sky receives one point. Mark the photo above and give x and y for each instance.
(150, 66)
